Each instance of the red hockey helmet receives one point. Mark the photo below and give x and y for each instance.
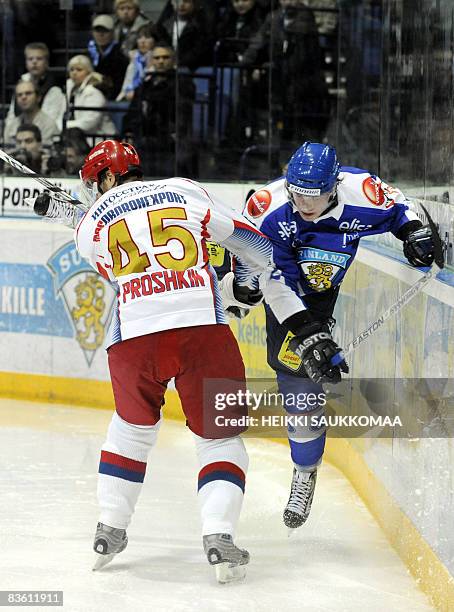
(119, 157)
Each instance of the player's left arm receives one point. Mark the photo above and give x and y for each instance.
(418, 245)
(251, 249)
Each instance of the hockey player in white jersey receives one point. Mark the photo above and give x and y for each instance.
(149, 239)
(315, 217)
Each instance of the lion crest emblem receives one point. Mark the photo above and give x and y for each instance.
(321, 268)
(88, 298)
(319, 276)
(87, 315)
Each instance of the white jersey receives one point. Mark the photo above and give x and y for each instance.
(149, 238)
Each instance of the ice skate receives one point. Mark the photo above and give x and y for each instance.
(109, 541)
(229, 561)
(300, 500)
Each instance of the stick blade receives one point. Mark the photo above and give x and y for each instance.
(439, 251)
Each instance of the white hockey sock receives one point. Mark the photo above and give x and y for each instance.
(221, 483)
(122, 469)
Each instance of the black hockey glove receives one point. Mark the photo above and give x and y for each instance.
(246, 295)
(236, 298)
(41, 204)
(419, 247)
(234, 312)
(316, 352)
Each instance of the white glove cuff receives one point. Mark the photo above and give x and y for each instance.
(228, 298)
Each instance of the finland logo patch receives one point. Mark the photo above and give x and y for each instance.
(321, 267)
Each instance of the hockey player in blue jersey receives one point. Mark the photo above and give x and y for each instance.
(315, 217)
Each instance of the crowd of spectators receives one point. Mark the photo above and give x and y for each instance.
(146, 73)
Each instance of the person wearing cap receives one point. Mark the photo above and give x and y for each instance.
(106, 56)
(128, 21)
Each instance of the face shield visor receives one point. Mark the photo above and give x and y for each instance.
(304, 199)
(310, 192)
(89, 191)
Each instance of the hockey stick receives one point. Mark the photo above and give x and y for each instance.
(47, 184)
(404, 299)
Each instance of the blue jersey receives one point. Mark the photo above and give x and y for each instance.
(311, 258)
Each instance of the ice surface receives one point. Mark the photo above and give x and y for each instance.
(339, 560)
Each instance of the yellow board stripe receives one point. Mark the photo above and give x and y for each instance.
(73, 391)
(431, 574)
(57, 390)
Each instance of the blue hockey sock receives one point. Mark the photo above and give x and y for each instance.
(308, 454)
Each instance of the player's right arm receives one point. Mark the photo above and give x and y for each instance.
(281, 289)
(269, 210)
(312, 341)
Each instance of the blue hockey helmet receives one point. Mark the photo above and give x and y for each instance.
(313, 169)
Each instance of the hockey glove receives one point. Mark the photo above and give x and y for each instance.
(236, 298)
(419, 248)
(41, 205)
(233, 312)
(55, 210)
(316, 352)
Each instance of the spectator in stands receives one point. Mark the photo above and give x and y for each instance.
(28, 100)
(52, 99)
(28, 149)
(288, 43)
(210, 12)
(185, 28)
(76, 148)
(82, 90)
(160, 127)
(106, 56)
(129, 19)
(241, 22)
(147, 37)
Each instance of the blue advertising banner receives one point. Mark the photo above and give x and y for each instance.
(64, 298)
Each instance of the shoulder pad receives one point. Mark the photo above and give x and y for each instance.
(265, 201)
(360, 188)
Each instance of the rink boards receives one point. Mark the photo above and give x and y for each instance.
(53, 317)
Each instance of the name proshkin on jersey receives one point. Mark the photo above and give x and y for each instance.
(159, 282)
